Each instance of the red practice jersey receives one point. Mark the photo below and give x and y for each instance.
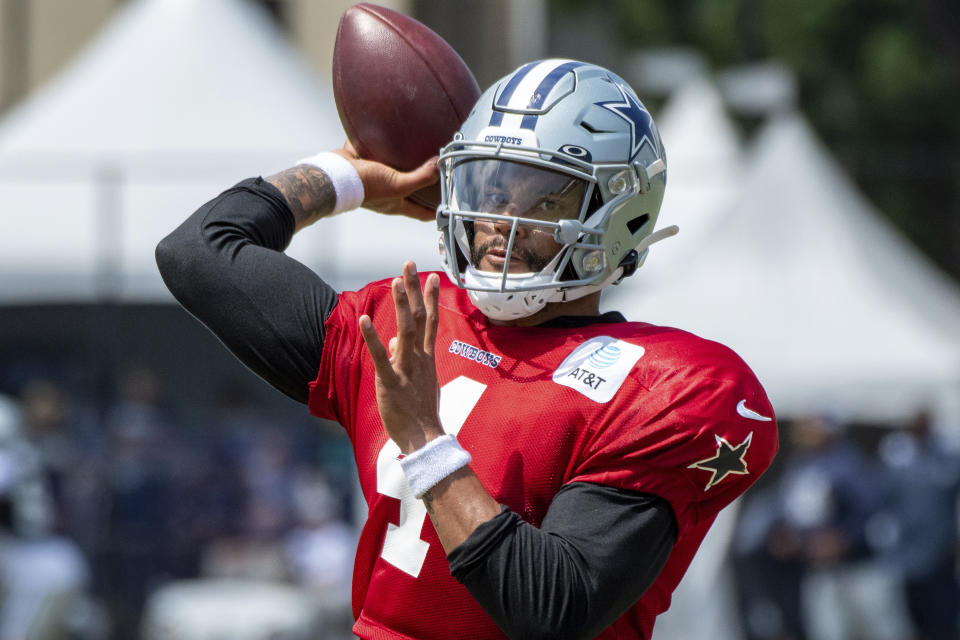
(628, 405)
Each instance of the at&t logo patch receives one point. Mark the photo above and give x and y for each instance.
(598, 367)
(605, 356)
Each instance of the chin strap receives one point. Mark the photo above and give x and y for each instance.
(566, 295)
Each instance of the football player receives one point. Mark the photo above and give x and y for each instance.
(532, 467)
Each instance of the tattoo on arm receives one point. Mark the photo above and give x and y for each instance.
(308, 191)
(428, 502)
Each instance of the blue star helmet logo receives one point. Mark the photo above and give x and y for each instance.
(640, 121)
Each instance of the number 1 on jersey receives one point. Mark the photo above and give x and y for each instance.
(402, 546)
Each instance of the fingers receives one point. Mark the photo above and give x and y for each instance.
(432, 301)
(381, 360)
(410, 182)
(350, 149)
(411, 310)
(417, 314)
(423, 176)
(387, 182)
(406, 328)
(413, 210)
(424, 306)
(404, 183)
(418, 310)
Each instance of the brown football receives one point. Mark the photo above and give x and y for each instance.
(401, 90)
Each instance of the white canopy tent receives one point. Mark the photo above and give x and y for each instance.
(704, 162)
(830, 307)
(177, 99)
(174, 101)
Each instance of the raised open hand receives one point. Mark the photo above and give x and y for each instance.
(408, 394)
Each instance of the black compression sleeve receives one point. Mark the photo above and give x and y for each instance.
(596, 552)
(225, 266)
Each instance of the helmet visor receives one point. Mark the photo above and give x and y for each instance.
(502, 187)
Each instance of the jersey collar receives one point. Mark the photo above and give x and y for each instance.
(572, 322)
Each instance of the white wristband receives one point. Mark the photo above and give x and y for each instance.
(433, 462)
(344, 178)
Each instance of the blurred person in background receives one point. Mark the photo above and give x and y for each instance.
(44, 577)
(136, 495)
(45, 416)
(830, 491)
(69, 444)
(267, 468)
(242, 496)
(137, 402)
(206, 500)
(237, 421)
(319, 550)
(266, 474)
(805, 544)
(769, 569)
(255, 552)
(923, 480)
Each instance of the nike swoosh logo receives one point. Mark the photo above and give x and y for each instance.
(750, 414)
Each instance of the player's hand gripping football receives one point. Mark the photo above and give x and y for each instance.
(386, 189)
(408, 394)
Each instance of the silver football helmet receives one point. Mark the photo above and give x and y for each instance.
(551, 189)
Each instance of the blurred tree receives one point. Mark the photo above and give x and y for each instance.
(879, 79)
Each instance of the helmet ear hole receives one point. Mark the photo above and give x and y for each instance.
(636, 224)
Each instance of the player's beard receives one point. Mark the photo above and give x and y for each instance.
(534, 261)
